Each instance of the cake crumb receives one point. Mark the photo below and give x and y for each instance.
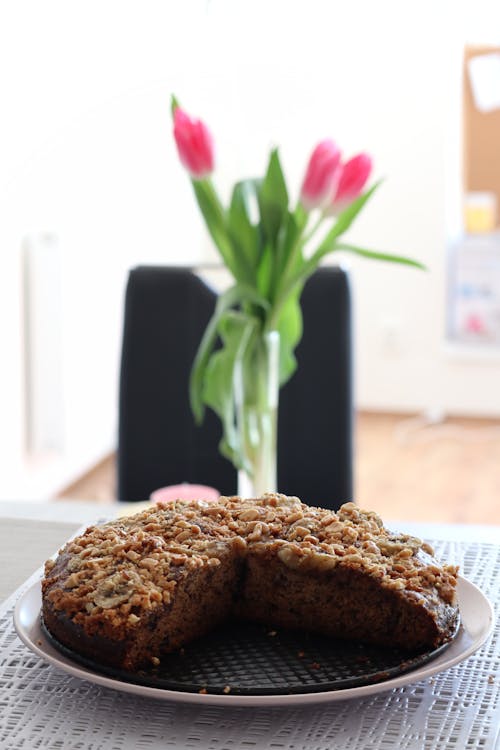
(203, 691)
(315, 665)
(491, 679)
(301, 654)
(39, 642)
(155, 660)
(272, 633)
(227, 689)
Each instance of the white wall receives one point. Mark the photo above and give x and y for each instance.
(86, 153)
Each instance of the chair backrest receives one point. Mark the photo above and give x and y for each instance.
(166, 312)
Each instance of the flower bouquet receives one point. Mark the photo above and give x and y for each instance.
(270, 250)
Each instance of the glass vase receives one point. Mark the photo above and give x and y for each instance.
(256, 392)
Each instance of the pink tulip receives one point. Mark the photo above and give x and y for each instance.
(194, 144)
(353, 176)
(320, 174)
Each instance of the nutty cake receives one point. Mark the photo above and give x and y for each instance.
(125, 592)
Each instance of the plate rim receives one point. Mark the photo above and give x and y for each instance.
(40, 646)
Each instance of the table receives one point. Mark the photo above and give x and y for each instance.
(31, 532)
(42, 707)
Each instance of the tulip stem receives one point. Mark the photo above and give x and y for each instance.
(310, 234)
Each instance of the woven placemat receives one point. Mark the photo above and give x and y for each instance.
(41, 707)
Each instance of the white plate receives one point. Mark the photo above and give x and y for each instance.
(477, 623)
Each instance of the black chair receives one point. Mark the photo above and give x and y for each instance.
(166, 312)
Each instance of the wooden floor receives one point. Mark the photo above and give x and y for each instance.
(405, 469)
(409, 470)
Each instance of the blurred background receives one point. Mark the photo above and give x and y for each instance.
(90, 186)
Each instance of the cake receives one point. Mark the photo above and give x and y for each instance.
(126, 592)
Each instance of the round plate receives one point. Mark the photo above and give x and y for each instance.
(375, 672)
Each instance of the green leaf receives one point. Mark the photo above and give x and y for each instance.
(235, 329)
(218, 225)
(290, 329)
(290, 256)
(173, 104)
(301, 216)
(265, 271)
(273, 199)
(344, 221)
(376, 255)
(236, 294)
(244, 235)
(215, 219)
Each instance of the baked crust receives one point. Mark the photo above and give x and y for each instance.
(125, 592)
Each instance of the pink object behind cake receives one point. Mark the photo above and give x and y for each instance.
(184, 491)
